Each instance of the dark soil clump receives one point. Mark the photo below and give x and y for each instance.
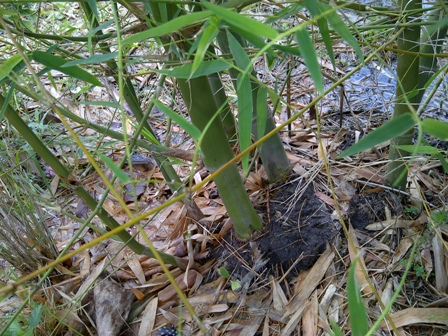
(370, 208)
(298, 226)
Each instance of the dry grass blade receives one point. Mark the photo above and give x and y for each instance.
(24, 238)
(411, 316)
(311, 281)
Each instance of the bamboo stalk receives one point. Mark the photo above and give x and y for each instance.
(408, 77)
(202, 108)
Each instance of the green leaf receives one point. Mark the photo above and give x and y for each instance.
(336, 330)
(441, 158)
(95, 59)
(93, 7)
(35, 316)
(205, 68)
(419, 149)
(235, 285)
(15, 329)
(325, 33)
(5, 12)
(242, 60)
(8, 65)
(262, 110)
(285, 13)
(252, 38)
(224, 272)
(188, 127)
(241, 21)
(208, 35)
(169, 27)
(98, 103)
(245, 109)
(389, 130)
(120, 174)
(308, 52)
(56, 63)
(436, 128)
(358, 316)
(341, 28)
(149, 136)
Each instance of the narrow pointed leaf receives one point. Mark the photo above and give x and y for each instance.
(56, 63)
(95, 59)
(416, 149)
(358, 315)
(308, 52)
(262, 110)
(325, 33)
(205, 68)
(207, 37)
(191, 129)
(341, 28)
(436, 128)
(389, 130)
(245, 107)
(252, 38)
(242, 60)
(169, 27)
(286, 12)
(8, 65)
(336, 330)
(241, 21)
(244, 92)
(93, 7)
(313, 7)
(120, 174)
(98, 103)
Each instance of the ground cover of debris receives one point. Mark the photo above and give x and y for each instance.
(290, 279)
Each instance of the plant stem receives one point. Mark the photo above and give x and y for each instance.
(405, 102)
(202, 108)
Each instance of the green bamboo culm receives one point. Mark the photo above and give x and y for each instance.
(198, 97)
(272, 152)
(406, 95)
(431, 43)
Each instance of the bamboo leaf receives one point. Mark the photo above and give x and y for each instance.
(336, 330)
(341, 28)
(244, 23)
(8, 65)
(56, 63)
(253, 38)
(95, 59)
(98, 103)
(389, 130)
(93, 7)
(208, 35)
(286, 12)
(188, 127)
(242, 60)
(245, 107)
(419, 149)
(325, 33)
(358, 316)
(120, 174)
(169, 27)
(441, 158)
(308, 52)
(205, 68)
(244, 92)
(262, 110)
(436, 128)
